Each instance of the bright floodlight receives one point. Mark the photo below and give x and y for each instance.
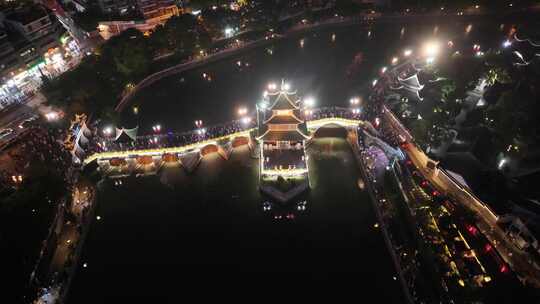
(383, 70)
(246, 120)
(272, 86)
(407, 52)
(395, 60)
(355, 100)
(229, 32)
(242, 111)
(309, 102)
(107, 131)
(51, 116)
(374, 83)
(286, 86)
(507, 43)
(431, 48)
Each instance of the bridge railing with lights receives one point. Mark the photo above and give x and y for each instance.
(155, 144)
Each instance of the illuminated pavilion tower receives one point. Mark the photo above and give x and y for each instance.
(283, 138)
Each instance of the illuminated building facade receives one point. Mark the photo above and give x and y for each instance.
(283, 137)
(33, 43)
(153, 13)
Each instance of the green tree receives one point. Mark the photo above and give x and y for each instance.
(202, 4)
(348, 7)
(129, 53)
(419, 130)
(182, 34)
(448, 89)
(89, 19)
(498, 74)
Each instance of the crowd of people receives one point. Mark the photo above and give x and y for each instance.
(165, 140)
(333, 112)
(36, 144)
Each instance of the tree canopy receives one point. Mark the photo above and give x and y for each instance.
(181, 34)
(99, 80)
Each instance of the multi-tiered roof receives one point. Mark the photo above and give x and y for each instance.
(283, 124)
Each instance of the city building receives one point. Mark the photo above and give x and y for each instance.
(66, 20)
(114, 7)
(5, 45)
(152, 12)
(80, 5)
(33, 44)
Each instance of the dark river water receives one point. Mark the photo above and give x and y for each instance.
(318, 64)
(174, 236)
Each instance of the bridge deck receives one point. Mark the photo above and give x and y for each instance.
(312, 125)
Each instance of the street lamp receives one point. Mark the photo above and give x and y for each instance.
(229, 32)
(407, 52)
(198, 123)
(108, 131)
(507, 43)
(309, 102)
(242, 111)
(246, 120)
(156, 128)
(261, 107)
(355, 100)
(272, 86)
(431, 49)
(51, 116)
(395, 60)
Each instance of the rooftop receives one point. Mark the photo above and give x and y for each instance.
(28, 14)
(283, 119)
(283, 101)
(283, 136)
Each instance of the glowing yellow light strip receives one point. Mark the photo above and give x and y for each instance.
(314, 124)
(472, 250)
(160, 151)
(286, 172)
